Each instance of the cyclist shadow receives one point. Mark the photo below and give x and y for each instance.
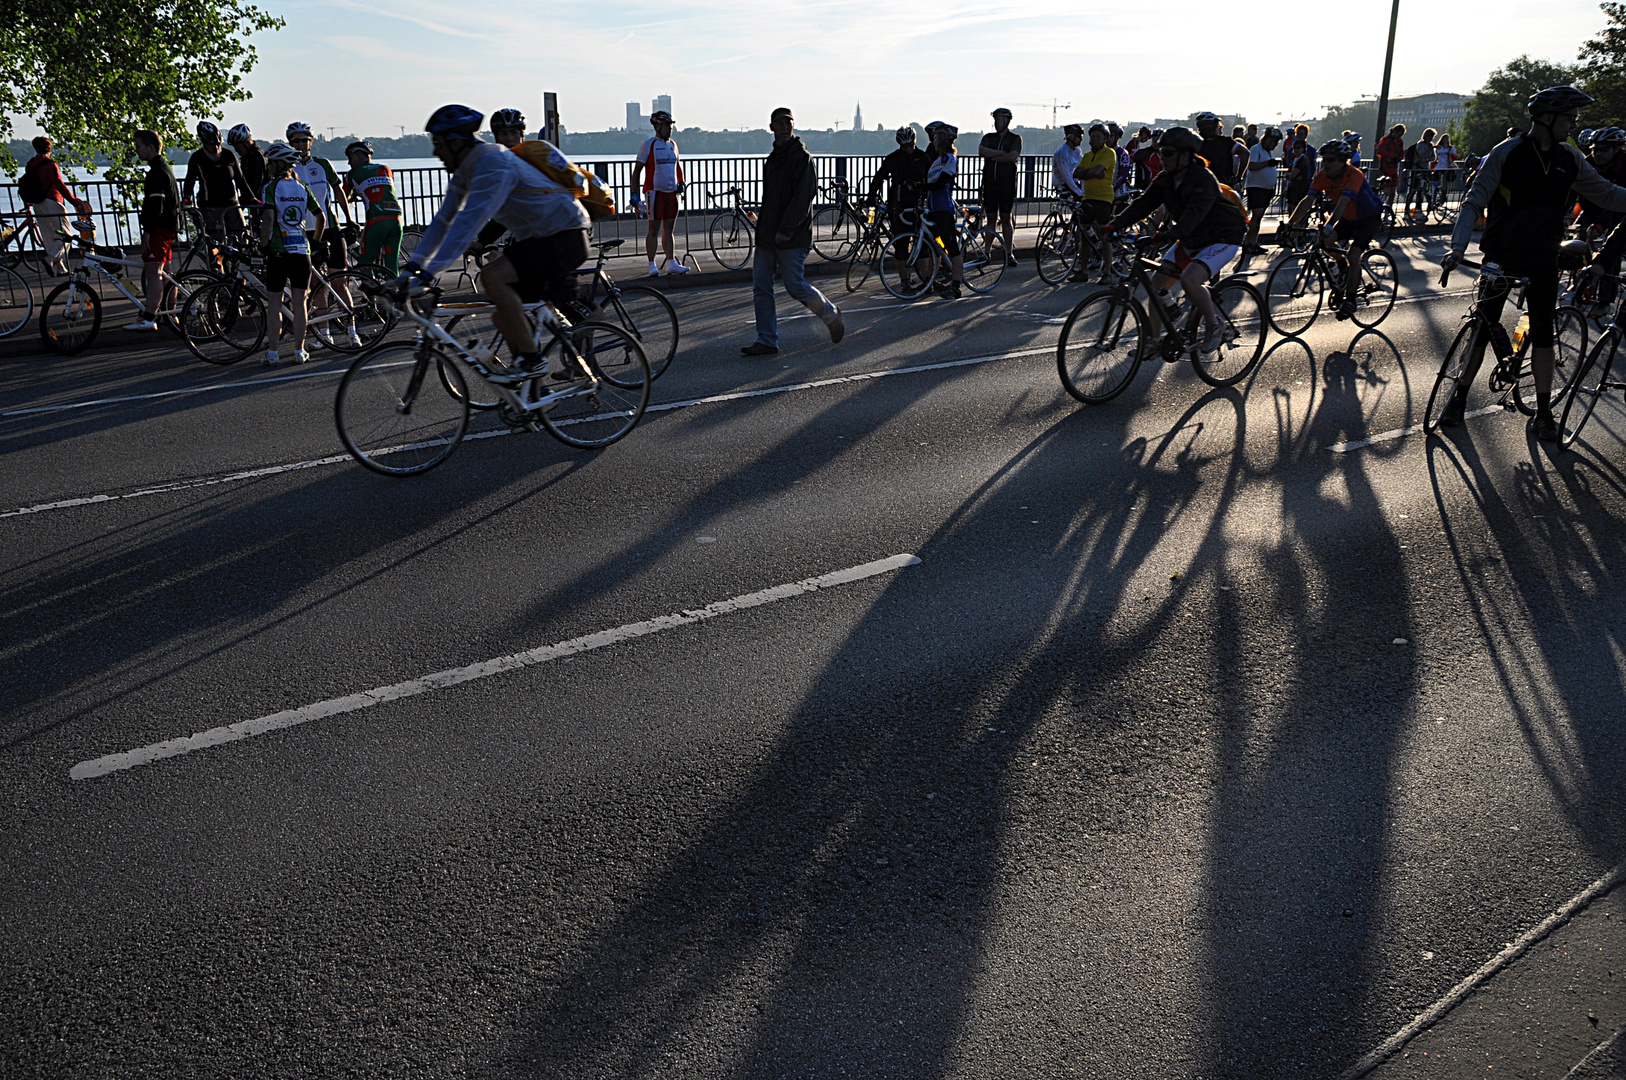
(1298, 835)
(1536, 547)
(182, 588)
(842, 910)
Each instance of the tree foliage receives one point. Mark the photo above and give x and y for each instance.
(1501, 103)
(1603, 69)
(91, 74)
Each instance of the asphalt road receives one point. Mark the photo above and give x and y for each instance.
(1189, 747)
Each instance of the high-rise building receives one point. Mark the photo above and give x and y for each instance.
(663, 103)
(858, 117)
(635, 116)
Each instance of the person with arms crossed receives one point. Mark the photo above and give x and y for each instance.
(784, 236)
(159, 218)
(1260, 186)
(288, 250)
(1526, 187)
(662, 174)
(1206, 226)
(1095, 171)
(375, 184)
(490, 183)
(1001, 153)
(43, 191)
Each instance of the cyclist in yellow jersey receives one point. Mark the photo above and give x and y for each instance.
(1096, 169)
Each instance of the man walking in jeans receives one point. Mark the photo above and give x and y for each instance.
(784, 235)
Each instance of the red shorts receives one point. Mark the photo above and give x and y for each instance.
(160, 246)
(663, 206)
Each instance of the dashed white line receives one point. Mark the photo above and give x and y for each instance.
(1510, 953)
(336, 459)
(241, 384)
(440, 680)
(1401, 433)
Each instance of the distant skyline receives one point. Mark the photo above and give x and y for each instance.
(372, 68)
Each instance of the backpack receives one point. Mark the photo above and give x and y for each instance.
(541, 155)
(30, 188)
(1236, 200)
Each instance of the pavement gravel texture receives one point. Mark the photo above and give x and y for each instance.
(1190, 748)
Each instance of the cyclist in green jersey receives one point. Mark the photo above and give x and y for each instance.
(381, 236)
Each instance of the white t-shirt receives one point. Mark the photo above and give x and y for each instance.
(1066, 160)
(1445, 157)
(1265, 178)
(660, 158)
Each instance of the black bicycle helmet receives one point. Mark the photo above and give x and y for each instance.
(904, 134)
(507, 120)
(659, 116)
(360, 144)
(208, 133)
(1180, 138)
(1573, 254)
(1609, 136)
(1557, 99)
(454, 120)
(239, 134)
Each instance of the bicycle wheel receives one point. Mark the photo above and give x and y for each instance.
(908, 266)
(1452, 369)
(1589, 384)
(344, 316)
(16, 301)
(1295, 291)
(864, 259)
(70, 317)
(223, 322)
(371, 271)
(187, 285)
(604, 411)
(475, 331)
(984, 260)
(835, 231)
(409, 241)
(1100, 346)
(1056, 251)
(1377, 295)
(1242, 343)
(394, 416)
(1571, 337)
(646, 314)
(729, 236)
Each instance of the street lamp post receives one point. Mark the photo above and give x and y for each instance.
(1388, 66)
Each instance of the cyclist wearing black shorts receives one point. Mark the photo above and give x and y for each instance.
(941, 210)
(1357, 211)
(1526, 187)
(1001, 150)
(491, 183)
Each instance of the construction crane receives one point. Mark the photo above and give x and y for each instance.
(1055, 106)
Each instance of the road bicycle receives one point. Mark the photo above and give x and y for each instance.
(71, 314)
(732, 233)
(866, 253)
(1106, 337)
(22, 244)
(1298, 284)
(838, 225)
(1064, 237)
(913, 263)
(225, 321)
(1512, 379)
(398, 419)
(1592, 379)
(641, 310)
(16, 301)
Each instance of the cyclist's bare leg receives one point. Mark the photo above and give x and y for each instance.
(1007, 226)
(666, 237)
(957, 265)
(649, 239)
(499, 280)
(1195, 279)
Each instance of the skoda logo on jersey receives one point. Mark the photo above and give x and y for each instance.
(293, 216)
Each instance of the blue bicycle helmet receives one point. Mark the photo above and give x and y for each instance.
(454, 120)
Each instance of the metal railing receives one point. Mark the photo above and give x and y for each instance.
(420, 192)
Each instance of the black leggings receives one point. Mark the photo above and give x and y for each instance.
(1540, 300)
(942, 223)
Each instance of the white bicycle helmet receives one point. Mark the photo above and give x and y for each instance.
(297, 128)
(280, 153)
(239, 134)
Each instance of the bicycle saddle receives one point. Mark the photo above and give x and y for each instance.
(611, 245)
(110, 252)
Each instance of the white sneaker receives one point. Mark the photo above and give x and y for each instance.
(269, 359)
(301, 356)
(654, 268)
(1212, 340)
(675, 267)
(142, 324)
(354, 337)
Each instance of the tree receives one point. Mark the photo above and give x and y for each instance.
(1361, 116)
(1603, 70)
(92, 74)
(1500, 103)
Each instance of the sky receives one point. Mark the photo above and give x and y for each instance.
(370, 67)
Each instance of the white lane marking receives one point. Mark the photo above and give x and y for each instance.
(336, 459)
(1401, 433)
(440, 680)
(239, 385)
(901, 305)
(1510, 953)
